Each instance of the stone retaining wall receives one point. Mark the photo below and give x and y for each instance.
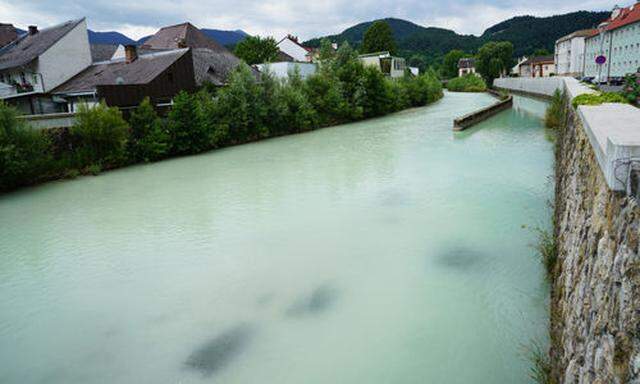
(595, 298)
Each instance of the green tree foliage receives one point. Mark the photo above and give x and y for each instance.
(256, 50)
(541, 52)
(419, 61)
(494, 59)
(555, 114)
(450, 63)
(326, 50)
(102, 135)
(379, 37)
(467, 83)
(149, 139)
(25, 154)
(343, 90)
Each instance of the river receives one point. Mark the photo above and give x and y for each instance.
(385, 251)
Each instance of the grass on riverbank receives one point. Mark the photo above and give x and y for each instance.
(467, 83)
(555, 115)
(246, 110)
(540, 360)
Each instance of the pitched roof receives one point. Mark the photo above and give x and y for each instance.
(626, 16)
(29, 47)
(117, 72)
(580, 33)
(102, 52)
(467, 62)
(184, 35)
(295, 41)
(542, 59)
(213, 67)
(7, 34)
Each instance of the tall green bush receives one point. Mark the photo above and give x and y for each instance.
(556, 111)
(25, 154)
(467, 83)
(101, 134)
(149, 139)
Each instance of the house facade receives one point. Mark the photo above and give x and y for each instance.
(389, 65)
(290, 46)
(466, 66)
(537, 66)
(569, 53)
(618, 40)
(38, 62)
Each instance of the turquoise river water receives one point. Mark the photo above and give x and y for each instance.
(386, 251)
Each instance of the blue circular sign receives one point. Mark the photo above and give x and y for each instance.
(601, 60)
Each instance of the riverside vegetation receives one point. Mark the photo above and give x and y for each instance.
(467, 83)
(245, 110)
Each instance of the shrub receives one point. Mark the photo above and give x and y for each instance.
(547, 250)
(598, 98)
(377, 98)
(631, 89)
(296, 112)
(555, 114)
(324, 92)
(25, 154)
(102, 134)
(467, 83)
(540, 371)
(149, 140)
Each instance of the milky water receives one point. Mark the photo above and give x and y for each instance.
(387, 251)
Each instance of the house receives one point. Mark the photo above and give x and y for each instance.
(618, 40)
(466, 66)
(290, 46)
(8, 34)
(281, 70)
(569, 53)
(543, 66)
(125, 82)
(104, 52)
(213, 63)
(537, 66)
(389, 65)
(41, 60)
(516, 69)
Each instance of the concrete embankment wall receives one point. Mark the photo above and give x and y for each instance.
(476, 117)
(595, 282)
(595, 298)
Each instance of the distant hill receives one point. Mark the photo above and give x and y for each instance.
(527, 33)
(111, 37)
(227, 38)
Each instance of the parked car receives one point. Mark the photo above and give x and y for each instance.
(588, 79)
(616, 80)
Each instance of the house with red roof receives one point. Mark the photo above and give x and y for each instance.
(618, 40)
(290, 46)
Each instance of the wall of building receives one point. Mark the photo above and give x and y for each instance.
(66, 58)
(621, 47)
(569, 57)
(282, 70)
(595, 299)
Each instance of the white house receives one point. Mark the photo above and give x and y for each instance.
(389, 65)
(569, 53)
(466, 66)
(291, 47)
(41, 60)
(618, 40)
(282, 70)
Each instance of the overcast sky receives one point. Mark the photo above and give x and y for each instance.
(137, 18)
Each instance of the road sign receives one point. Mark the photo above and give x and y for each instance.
(601, 60)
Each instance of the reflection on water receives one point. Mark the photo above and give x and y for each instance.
(386, 251)
(218, 352)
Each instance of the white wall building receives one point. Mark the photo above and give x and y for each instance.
(569, 53)
(40, 61)
(618, 39)
(387, 64)
(290, 46)
(282, 70)
(466, 66)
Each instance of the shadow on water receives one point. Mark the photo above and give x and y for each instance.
(221, 350)
(320, 300)
(460, 258)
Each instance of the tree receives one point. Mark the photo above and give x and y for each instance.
(25, 153)
(494, 59)
(256, 50)
(541, 52)
(378, 38)
(102, 134)
(149, 141)
(419, 62)
(450, 63)
(187, 133)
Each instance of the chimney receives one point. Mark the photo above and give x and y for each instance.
(130, 53)
(33, 29)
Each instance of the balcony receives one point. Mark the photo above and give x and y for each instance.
(15, 88)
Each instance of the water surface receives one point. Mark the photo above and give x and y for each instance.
(387, 251)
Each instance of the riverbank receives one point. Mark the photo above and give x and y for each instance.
(245, 110)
